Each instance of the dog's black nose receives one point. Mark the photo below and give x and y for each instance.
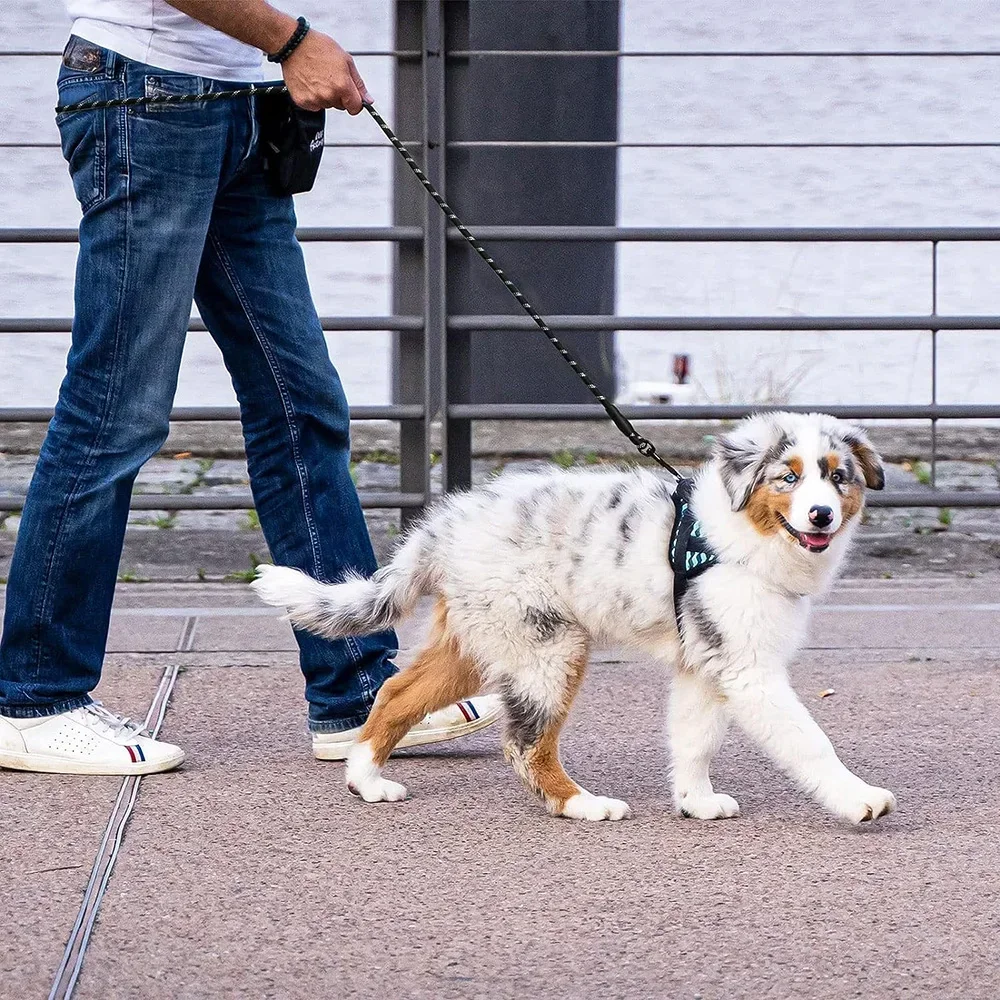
(821, 516)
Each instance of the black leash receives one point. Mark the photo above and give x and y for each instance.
(134, 102)
(643, 445)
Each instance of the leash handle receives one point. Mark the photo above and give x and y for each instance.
(643, 445)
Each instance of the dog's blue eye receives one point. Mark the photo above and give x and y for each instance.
(791, 478)
(837, 476)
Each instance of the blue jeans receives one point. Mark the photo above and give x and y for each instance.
(175, 208)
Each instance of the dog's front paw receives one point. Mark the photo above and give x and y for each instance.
(583, 805)
(861, 803)
(713, 806)
(373, 789)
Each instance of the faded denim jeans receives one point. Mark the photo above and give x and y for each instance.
(175, 208)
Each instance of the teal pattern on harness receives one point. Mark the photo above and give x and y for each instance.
(690, 552)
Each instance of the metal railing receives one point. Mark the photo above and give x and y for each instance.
(425, 338)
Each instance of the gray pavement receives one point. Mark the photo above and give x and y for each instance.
(250, 872)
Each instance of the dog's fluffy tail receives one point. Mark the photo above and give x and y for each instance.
(356, 606)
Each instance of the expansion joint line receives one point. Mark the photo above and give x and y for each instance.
(68, 973)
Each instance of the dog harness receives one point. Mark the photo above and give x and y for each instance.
(690, 553)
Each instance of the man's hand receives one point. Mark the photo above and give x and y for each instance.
(320, 74)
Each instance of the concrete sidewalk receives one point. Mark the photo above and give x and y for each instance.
(251, 873)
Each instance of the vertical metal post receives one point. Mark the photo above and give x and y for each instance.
(410, 348)
(534, 98)
(456, 354)
(934, 359)
(435, 224)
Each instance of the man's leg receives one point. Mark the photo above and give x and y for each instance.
(147, 201)
(253, 293)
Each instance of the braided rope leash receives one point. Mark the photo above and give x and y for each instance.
(134, 102)
(643, 445)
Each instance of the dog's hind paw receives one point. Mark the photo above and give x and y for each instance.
(583, 805)
(377, 790)
(713, 806)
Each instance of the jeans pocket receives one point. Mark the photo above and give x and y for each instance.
(83, 139)
(155, 87)
(84, 58)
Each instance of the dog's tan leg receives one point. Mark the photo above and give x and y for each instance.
(439, 676)
(532, 749)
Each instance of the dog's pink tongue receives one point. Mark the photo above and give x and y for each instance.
(817, 540)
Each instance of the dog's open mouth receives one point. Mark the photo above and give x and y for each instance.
(813, 541)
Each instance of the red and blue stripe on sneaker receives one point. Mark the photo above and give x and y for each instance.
(468, 709)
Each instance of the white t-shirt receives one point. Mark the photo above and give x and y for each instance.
(153, 32)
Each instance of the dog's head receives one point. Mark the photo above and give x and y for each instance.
(802, 476)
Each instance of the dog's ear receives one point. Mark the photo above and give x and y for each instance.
(868, 458)
(743, 456)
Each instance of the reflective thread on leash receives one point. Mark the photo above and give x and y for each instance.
(643, 445)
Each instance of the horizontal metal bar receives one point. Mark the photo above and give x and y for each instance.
(934, 498)
(327, 145)
(736, 234)
(649, 54)
(619, 234)
(62, 324)
(592, 411)
(585, 411)
(381, 501)
(624, 144)
(39, 235)
(589, 324)
(181, 414)
(386, 53)
(241, 501)
(359, 234)
(306, 234)
(742, 323)
(727, 53)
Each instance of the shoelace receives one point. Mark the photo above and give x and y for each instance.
(102, 718)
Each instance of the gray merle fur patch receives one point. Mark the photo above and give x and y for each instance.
(547, 622)
(693, 615)
(526, 719)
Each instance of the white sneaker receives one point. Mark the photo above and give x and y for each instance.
(88, 740)
(460, 719)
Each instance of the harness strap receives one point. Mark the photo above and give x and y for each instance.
(690, 553)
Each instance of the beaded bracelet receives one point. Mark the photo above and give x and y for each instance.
(292, 44)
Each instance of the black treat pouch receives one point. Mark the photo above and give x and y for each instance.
(291, 140)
